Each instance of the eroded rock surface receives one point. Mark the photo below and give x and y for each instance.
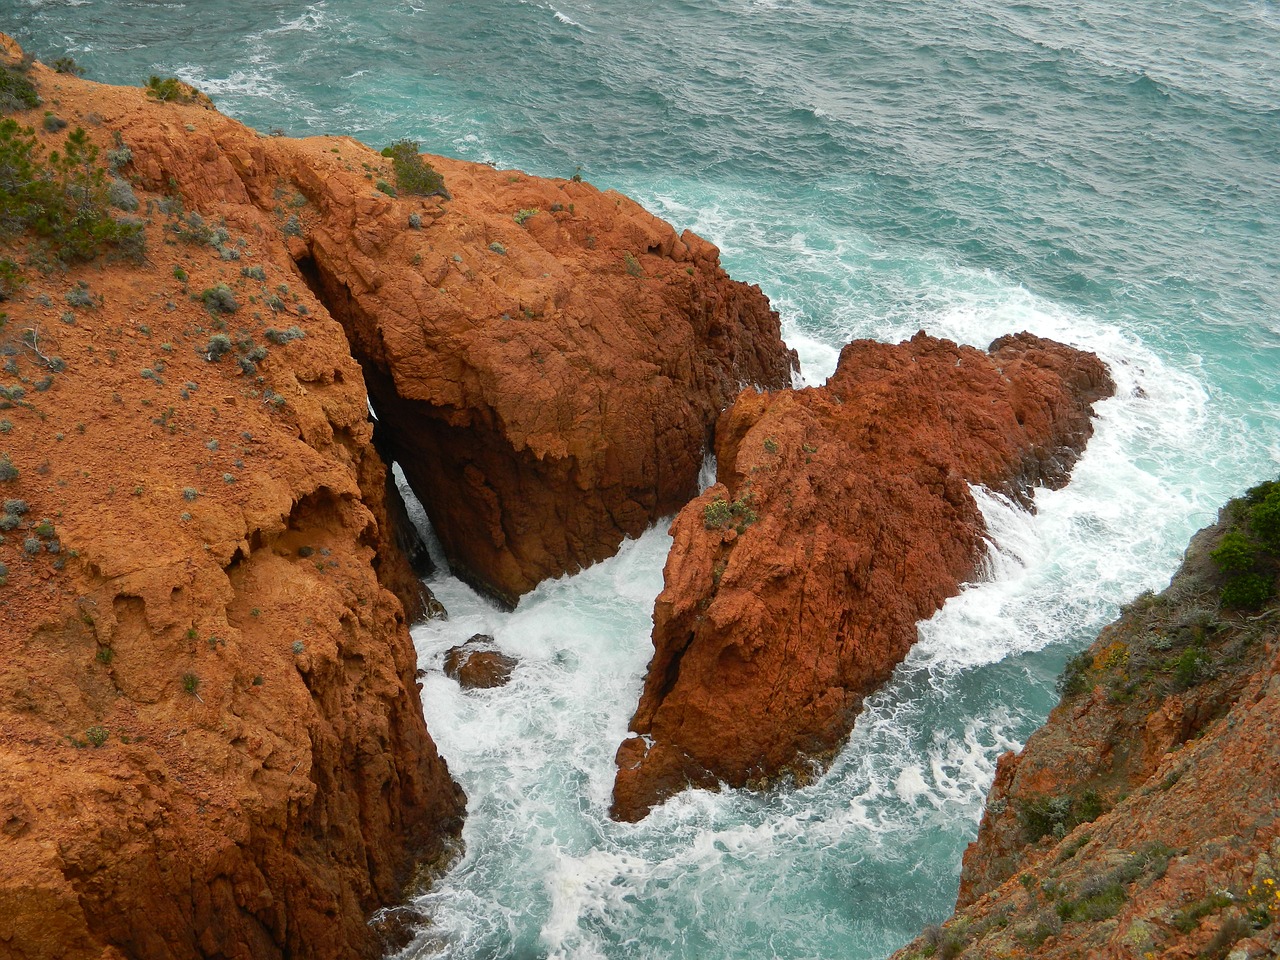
(211, 739)
(548, 360)
(841, 518)
(552, 358)
(478, 664)
(1140, 820)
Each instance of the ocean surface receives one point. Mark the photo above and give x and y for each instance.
(1105, 173)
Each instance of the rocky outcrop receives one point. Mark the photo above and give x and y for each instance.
(478, 664)
(1140, 820)
(551, 358)
(212, 743)
(547, 360)
(211, 738)
(842, 517)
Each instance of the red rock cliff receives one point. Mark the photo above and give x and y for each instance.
(548, 360)
(213, 743)
(842, 517)
(211, 737)
(1140, 820)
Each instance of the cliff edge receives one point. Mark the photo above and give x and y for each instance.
(211, 737)
(1141, 820)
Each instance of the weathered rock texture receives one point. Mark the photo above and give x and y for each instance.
(211, 741)
(1141, 820)
(552, 383)
(478, 663)
(228, 606)
(842, 517)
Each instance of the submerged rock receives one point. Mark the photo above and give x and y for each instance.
(477, 663)
(842, 516)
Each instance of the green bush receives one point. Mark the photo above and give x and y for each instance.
(17, 92)
(1190, 668)
(413, 174)
(220, 299)
(1255, 495)
(170, 90)
(281, 337)
(1057, 816)
(1235, 553)
(121, 195)
(97, 736)
(219, 346)
(68, 66)
(10, 279)
(1264, 517)
(61, 198)
(1074, 679)
(720, 513)
(191, 228)
(1248, 591)
(8, 472)
(1096, 902)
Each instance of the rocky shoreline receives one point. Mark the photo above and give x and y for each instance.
(213, 740)
(1140, 820)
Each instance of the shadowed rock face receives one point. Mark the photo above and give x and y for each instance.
(842, 517)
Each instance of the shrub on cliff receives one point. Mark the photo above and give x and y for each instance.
(16, 91)
(171, 90)
(1248, 591)
(413, 174)
(220, 299)
(1264, 513)
(68, 66)
(61, 198)
(1235, 553)
(720, 513)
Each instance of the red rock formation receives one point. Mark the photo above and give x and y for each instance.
(548, 359)
(551, 359)
(211, 740)
(842, 517)
(228, 608)
(477, 663)
(1140, 820)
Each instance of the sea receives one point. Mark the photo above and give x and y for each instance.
(1103, 173)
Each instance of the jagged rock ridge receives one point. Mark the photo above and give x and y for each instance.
(841, 518)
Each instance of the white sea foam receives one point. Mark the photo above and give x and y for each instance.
(546, 867)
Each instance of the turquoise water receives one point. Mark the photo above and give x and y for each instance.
(1104, 173)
